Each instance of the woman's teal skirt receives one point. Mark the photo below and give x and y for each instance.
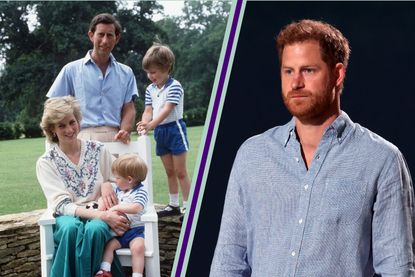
(79, 246)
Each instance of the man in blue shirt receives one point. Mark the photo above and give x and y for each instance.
(105, 88)
(321, 195)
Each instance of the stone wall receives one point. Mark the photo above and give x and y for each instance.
(20, 246)
(169, 233)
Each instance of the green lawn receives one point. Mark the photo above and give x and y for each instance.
(21, 192)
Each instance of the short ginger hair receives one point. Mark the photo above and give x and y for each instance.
(334, 46)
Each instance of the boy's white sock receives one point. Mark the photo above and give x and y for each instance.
(137, 275)
(184, 204)
(174, 199)
(106, 266)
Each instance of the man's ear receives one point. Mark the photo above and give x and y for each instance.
(91, 35)
(339, 75)
(117, 38)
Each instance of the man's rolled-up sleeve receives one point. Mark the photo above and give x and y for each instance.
(393, 222)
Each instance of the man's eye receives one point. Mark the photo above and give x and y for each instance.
(287, 71)
(309, 70)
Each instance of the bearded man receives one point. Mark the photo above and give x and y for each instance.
(321, 195)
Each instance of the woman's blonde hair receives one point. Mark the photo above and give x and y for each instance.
(55, 110)
(130, 165)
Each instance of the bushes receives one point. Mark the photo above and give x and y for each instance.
(15, 130)
(195, 116)
(31, 128)
(9, 130)
(30, 121)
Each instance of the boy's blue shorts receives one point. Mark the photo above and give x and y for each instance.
(136, 232)
(171, 138)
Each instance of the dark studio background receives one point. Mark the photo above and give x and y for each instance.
(378, 91)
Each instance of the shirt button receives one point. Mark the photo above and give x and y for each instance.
(300, 221)
(293, 253)
(297, 159)
(306, 187)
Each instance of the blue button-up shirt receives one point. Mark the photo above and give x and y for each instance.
(349, 214)
(101, 97)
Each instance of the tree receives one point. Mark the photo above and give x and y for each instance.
(33, 59)
(139, 32)
(15, 37)
(196, 38)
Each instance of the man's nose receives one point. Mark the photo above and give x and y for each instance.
(297, 81)
(105, 38)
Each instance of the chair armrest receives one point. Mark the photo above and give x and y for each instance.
(150, 215)
(47, 218)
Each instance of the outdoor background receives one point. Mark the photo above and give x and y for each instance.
(38, 38)
(378, 92)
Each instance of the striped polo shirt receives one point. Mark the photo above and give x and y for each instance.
(171, 92)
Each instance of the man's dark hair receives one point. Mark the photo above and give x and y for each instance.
(105, 18)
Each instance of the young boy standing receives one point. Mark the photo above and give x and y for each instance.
(129, 171)
(164, 113)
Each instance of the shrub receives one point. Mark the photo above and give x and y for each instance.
(31, 128)
(10, 130)
(18, 130)
(6, 130)
(195, 116)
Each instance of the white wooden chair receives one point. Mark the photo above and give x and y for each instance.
(142, 147)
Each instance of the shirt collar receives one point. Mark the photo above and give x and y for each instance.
(166, 85)
(88, 58)
(289, 131)
(136, 187)
(341, 126)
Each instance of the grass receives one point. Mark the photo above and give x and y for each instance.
(21, 192)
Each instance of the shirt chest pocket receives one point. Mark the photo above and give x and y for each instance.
(343, 201)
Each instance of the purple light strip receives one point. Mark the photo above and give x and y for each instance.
(208, 137)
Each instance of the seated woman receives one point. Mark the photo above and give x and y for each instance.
(72, 173)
